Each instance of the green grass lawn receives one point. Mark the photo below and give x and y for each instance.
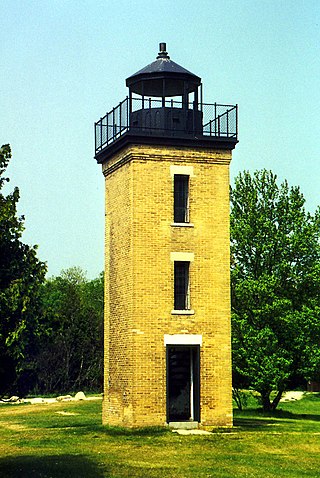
(67, 440)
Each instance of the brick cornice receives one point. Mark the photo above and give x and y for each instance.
(165, 153)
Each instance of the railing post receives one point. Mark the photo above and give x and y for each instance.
(130, 109)
(228, 123)
(236, 121)
(215, 119)
(126, 100)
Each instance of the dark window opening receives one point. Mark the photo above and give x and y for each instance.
(181, 198)
(181, 285)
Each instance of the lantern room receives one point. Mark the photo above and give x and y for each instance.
(165, 98)
(165, 103)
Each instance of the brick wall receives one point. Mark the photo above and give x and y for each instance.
(139, 281)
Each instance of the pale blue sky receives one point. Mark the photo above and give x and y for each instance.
(64, 64)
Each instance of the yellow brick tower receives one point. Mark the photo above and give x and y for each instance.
(165, 156)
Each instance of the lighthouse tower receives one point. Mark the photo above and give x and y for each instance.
(165, 156)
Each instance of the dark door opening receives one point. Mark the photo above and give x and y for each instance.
(183, 383)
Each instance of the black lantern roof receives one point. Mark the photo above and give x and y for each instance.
(163, 78)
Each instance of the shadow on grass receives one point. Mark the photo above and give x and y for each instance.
(257, 418)
(113, 431)
(134, 432)
(249, 423)
(53, 466)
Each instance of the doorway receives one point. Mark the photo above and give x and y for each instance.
(183, 383)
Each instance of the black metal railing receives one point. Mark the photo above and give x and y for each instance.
(224, 122)
(147, 116)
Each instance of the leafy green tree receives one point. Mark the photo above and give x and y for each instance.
(71, 348)
(275, 285)
(21, 276)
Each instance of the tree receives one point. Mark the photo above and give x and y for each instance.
(70, 353)
(275, 285)
(21, 275)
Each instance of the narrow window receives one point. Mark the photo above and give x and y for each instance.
(181, 285)
(181, 198)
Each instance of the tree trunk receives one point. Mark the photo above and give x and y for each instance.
(237, 397)
(277, 399)
(266, 404)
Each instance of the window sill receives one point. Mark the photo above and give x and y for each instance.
(182, 312)
(182, 224)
